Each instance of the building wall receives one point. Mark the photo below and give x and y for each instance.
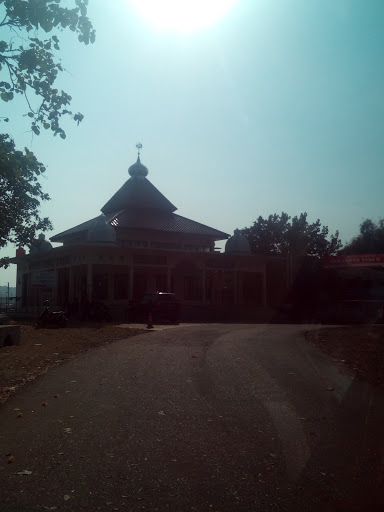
(115, 275)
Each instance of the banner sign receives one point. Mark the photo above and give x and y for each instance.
(354, 260)
(46, 278)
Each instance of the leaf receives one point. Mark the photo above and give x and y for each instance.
(67, 497)
(24, 472)
(68, 430)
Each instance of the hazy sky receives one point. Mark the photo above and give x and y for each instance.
(277, 106)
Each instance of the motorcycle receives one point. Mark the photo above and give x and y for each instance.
(53, 318)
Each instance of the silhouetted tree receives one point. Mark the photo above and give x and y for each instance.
(30, 64)
(20, 196)
(369, 240)
(29, 67)
(280, 235)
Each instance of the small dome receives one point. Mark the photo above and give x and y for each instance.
(102, 232)
(138, 169)
(237, 244)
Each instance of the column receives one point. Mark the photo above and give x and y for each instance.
(128, 284)
(264, 287)
(235, 285)
(110, 285)
(168, 278)
(131, 276)
(204, 284)
(89, 282)
(71, 281)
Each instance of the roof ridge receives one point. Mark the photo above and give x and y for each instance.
(76, 229)
(138, 192)
(200, 224)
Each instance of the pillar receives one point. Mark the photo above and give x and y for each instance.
(264, 287)
(89, 282)
(235, 285)
(204, 285)
(71, 282)
(131, 276)
(110, 286)
(169, 277)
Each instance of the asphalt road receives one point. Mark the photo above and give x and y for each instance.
(204, 418)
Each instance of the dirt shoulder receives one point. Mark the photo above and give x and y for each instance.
(358, 349)
(42, 349)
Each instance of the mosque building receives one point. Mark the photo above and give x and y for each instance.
(138, 244)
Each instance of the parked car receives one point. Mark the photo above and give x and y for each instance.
(165, 308)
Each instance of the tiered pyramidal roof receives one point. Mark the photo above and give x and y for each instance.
(139, 205)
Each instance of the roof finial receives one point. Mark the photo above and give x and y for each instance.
(138, 169)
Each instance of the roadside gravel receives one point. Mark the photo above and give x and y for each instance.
(42, 349)
(357, 349)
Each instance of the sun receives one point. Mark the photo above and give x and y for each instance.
(182, 15)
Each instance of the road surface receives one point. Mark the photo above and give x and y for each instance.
(198, 418)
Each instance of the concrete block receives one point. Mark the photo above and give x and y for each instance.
(9, 335)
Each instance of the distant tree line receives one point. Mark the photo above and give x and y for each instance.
(282, 235)
(369, 240)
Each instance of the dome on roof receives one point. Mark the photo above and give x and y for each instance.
(138, 169)
(40, 245)
(102, 232)
(237, 244)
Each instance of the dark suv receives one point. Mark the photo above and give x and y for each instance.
(165, 308)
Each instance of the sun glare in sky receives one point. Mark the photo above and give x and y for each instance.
(182, 15)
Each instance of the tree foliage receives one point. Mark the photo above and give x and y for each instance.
(29, 67)
(369, 240)
(21, 194)
(29, 64)
(280, 235)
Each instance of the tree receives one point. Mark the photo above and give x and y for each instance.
(29, 67)
(280, 235)
(20, 193)
(31, 64)
(369, 240)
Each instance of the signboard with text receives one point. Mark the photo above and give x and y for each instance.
(354, 260)
(44, 278)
